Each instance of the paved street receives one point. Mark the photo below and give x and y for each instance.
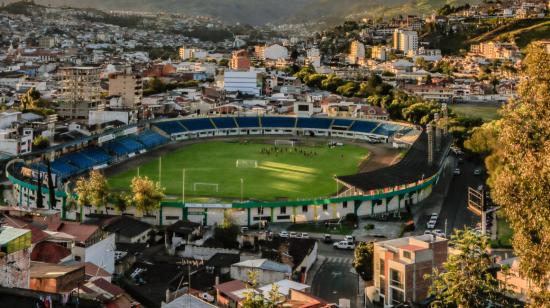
(336, 279)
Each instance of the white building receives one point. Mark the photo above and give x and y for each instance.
(405, 40)
(313, 57)
(272, 52)
(245, 82)
(379, 53)
(267, 271)
(356, 53)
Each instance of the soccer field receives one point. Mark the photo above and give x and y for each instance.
(288, 174)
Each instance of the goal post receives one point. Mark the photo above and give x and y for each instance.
(246, 163)
(213, 186)
(280, 142)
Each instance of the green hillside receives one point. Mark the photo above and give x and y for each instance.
(271, 11)
(522, 31)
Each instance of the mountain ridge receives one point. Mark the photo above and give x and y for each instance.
(259, 12)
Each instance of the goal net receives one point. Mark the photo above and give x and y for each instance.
(246, 163)
(284, 142)
(211, 186)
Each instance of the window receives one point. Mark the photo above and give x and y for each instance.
(382, 272)
(395, 279)
(397, 296)
(345, 204)
(77, 258)
(260, 210)
(406, 254)
(282, 209)
(382, 287)
(304, 209)
(325, 207)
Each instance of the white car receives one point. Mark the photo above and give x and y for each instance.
(344, 245)
(349, 238)
(456, 171)
(431, 223)
(304, 235)
(293, 234)
(283, 234)
(439, 232)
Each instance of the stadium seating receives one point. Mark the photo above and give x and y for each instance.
(315, 123)
(97, 154)
(197, 124)
(248, 122)
(131, 144)
(342, 122)
(63, 170)
(115, 148)
(222, 123)
(151, 139)
(363, 126)
(78, 160)
(278, 122)
(386, 129)
(170, 128)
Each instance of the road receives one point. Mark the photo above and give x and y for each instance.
(336, 279)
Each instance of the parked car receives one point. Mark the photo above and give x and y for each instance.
(344, 245)
(439, 232)
(456, 171)
(327, 238)
(431, 223)
(293, 235)
(477, 171)
(303, 235)
(349, 238)
(283, 234)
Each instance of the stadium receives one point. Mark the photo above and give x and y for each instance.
(261, 168)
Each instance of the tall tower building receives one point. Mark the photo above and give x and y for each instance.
(80, 91)
(356, 53)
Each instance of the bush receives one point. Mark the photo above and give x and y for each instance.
(369, 227)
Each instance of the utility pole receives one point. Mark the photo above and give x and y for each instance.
(242, 182)
(183, 187)
(160, 171)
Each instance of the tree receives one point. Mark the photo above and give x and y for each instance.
(92, 191)
(255, 299)
(146, 194)
(465, 280)
(226, 233)
(51, 186)
(39, 197)
(362, 260)
(40, 142)
(519, 174)
(121, 201)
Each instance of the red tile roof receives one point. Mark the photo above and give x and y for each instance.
(37, 235)
(49, 252)
(228, 287)
(93, 270)
(80, 231)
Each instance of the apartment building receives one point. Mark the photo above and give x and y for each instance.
(380, 53)
(271, 52)
(494, 50)
(128, 86)
(80, 91)
(356, 52)
(15, 252)
(405, 40)
(401, 264)
(244, 82)
(240, 61)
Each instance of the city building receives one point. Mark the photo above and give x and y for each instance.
(128, 86)
(494, 50)
(15, 252)
(187, 53)
(271, 52)
(244, 82)
(400, 266)
(313, 57)
(239, 61)
(356, 53)
(379, 53)
(15, 138)
(80, 91)
(405, 40)
(267, 271)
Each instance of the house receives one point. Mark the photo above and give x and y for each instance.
(127, 229)
(95, 272)
(50, 252)
(55, 278)
(400, 266)
(284, 286)
(220, 263)
(300, 299)
(182, 232)
(509, 276)
(225, 296)
(108, 294)
(17, 297)
(267, 271)
(187, 301)
(92, 244)
(15, 250)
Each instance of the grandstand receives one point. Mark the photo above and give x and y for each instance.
(408, 182)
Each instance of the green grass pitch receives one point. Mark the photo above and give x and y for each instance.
(286, 175)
